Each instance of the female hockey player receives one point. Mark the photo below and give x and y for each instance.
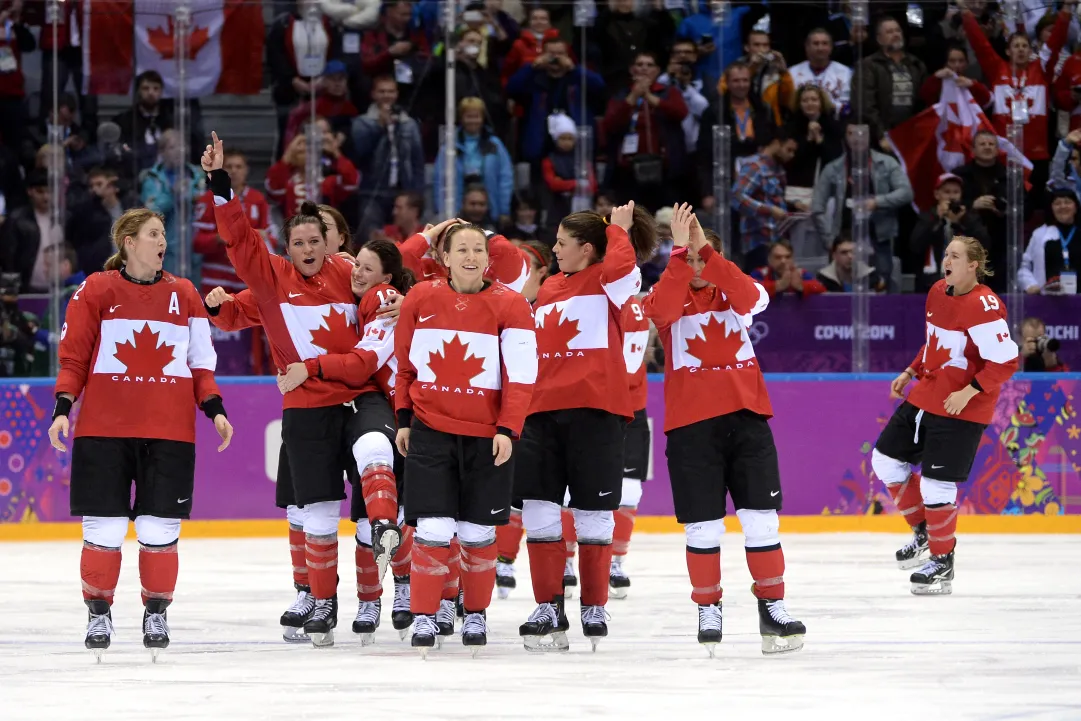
(508, 538)
(967, 357)
(136, 340)
(467, 361)
(508, 264)
(307, 308)
(719, 440)
(573, 436)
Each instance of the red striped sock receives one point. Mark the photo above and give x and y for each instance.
(478, 576)
(546, 560)
(621, 537)
(508, 538)
(570, 534)
(767, 569)
(321, 554)
(368, 586)
(158, 568)
(100, 570)
(426, 577)
(942, 529)
(594, 565)
(452, 579)
(704, 570)
(380, 493)
(403, 557)
(296, 555)
(906, 496)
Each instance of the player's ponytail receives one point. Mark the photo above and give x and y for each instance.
(128, 225)
(390, 258)
(585, 226)
(308, 215)
(976, 253)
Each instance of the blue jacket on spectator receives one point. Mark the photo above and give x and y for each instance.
(157, 194)
(372, 153)
(694, 27)
(483, 155)
(539, 92)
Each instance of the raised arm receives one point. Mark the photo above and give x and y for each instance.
(620, 276)
(232, 312)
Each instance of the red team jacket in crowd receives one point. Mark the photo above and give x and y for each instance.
(967, 339)
(1069, 78)
(507, 264)
(580, 333)
(131, 351)
(217, 270)
(285, 185)
(1034, 85)
(466, 362)
(710, 368)
(302, 317)
(635, 340)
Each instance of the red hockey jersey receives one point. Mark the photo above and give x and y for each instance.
(710, 368)
(217, 270)
(303, 317)
(140, 356)
(967, 339)
(580, 333)
(507, 264)
(635, 340)
(466, 362)
(285, 185)
(1033, 86)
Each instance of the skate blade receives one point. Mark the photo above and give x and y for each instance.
(594, 640)
(99, 654)
(292, 634)
(322, 640)
(504, 592)
(913, 562)
(617, 593)
(388, 546)
(773, 645)
(403, 633)
(154, 655)
(942, 588)
(711, 649)
(366, 639)
(554, 642)
(439, 642)
(423, 651)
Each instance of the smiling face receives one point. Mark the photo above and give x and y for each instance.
(957, 268)
(810, 103)
(367, 272)
(307, 249)
(466, 258)
(571, 255)
(1064, 210)
(146, 250)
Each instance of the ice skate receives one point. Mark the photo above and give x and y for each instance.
(780, 632)
(935, 578)
(155, 628)
(546, 628)
(425, 634)
(459, 608)
(367, 621)
(709, 626)
(475, 632)
(386, 537)
(618, 582)
(99, 628)
(914, 553)
(401, 617)
(292, 621)
(504, 578)
(444, 620)
(570, 580)
(594, 624)
(321, 624)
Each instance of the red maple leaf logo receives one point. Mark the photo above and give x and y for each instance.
(336, 334)
(455, 367)
(556, 336)
(936, 355)
(717, 347)
(142, 356)
(162, 40)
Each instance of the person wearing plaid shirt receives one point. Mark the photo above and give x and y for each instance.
(758, 197)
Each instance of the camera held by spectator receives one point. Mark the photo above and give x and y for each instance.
(1038, 351)
(16, 330)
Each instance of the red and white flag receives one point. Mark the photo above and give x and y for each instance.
(939, 140)
(122, 38)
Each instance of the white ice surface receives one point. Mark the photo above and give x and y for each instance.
(1005, 645)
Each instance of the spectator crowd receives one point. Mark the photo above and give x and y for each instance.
(648, 80)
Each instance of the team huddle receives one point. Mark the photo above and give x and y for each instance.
(487, 401)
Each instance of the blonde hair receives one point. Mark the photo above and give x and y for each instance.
(128, 225)
(823, 98)
(975, 252)
(471, 104)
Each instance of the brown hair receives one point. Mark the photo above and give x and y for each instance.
(975, 252)
(309, 213)
(343, 227)
(588, 227)
(390, 258)
(540, 255)
(448, 237)
(823, 98)
(128, 225)
(714, 240)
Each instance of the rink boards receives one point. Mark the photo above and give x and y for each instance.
(1025, 479)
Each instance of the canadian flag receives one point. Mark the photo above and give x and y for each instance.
(123, 38)
(939, 140)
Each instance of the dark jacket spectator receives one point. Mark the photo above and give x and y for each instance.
(89, 225)
(619, 35)
(141, 126)
(886, 85)
(16, 41)
(26, 233)
(936, 228)
(818, 134)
